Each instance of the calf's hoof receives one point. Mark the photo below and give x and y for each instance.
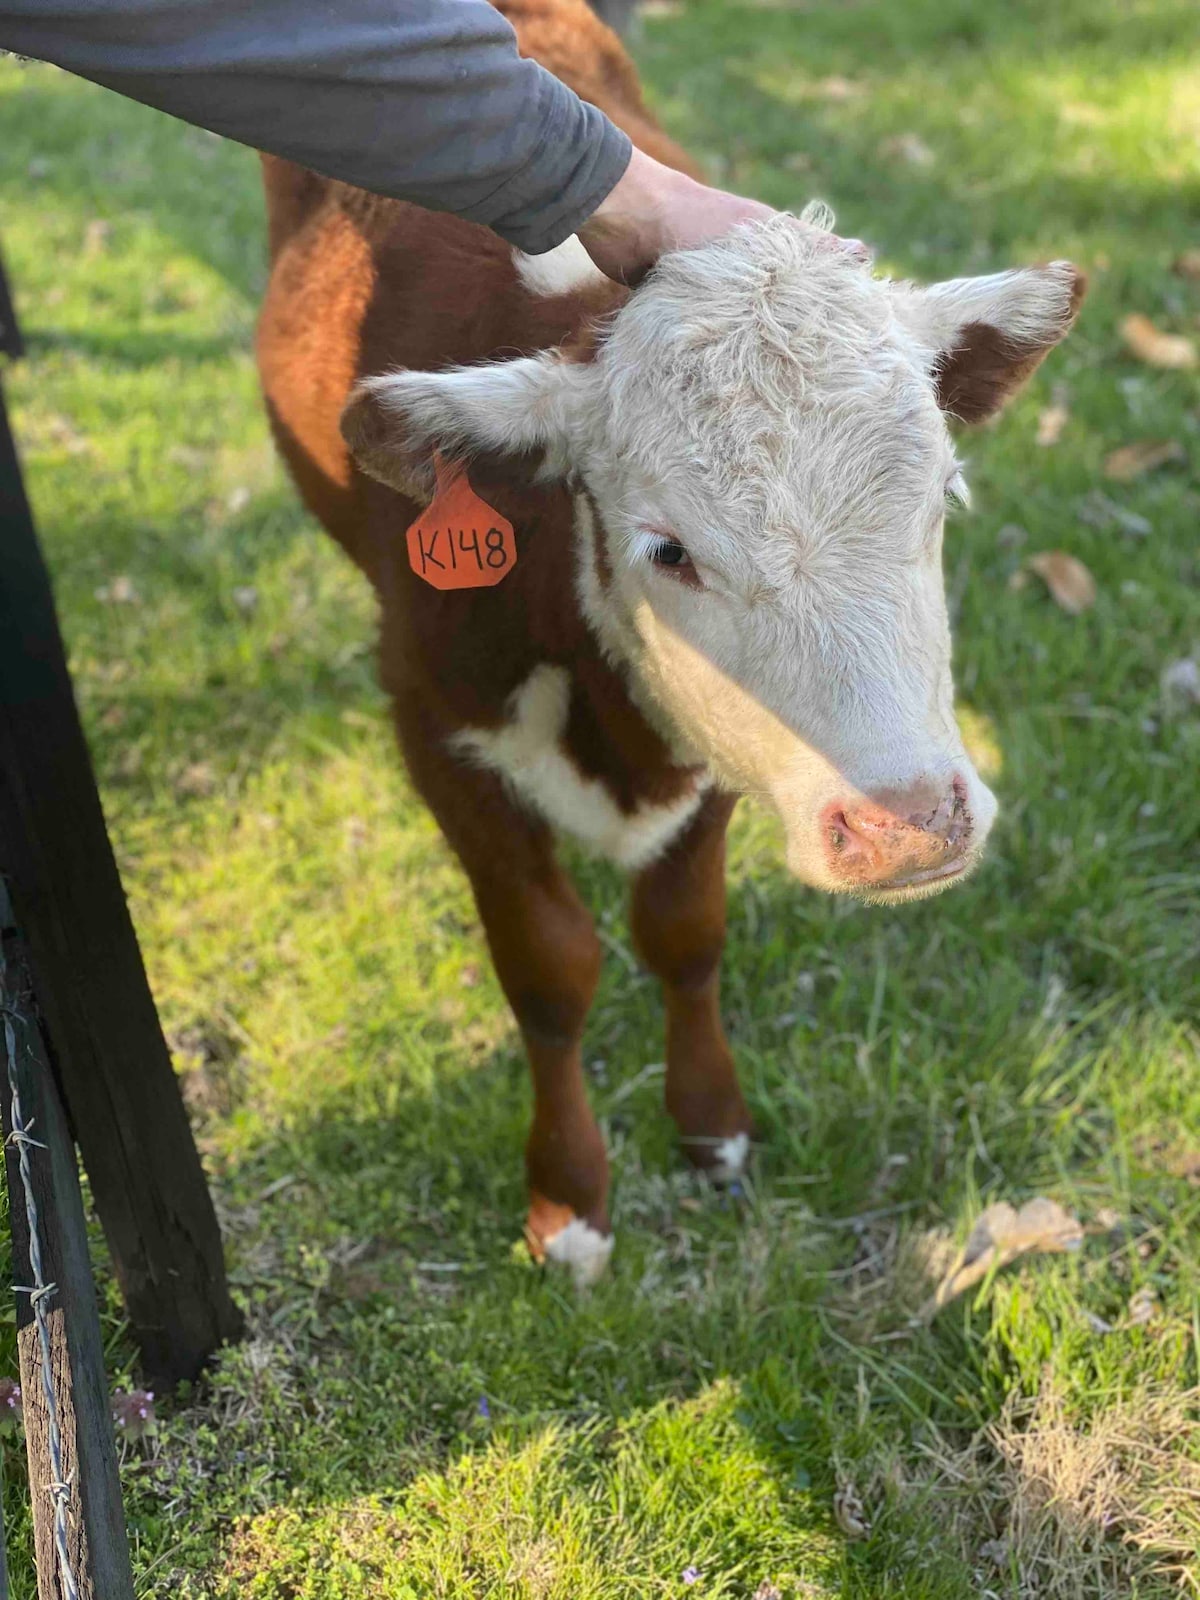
(557, 1236)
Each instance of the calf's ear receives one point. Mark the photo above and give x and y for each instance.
(988, 335)
(394, 422)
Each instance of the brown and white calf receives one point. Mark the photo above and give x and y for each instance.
(727, 489)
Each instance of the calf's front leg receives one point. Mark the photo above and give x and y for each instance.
(547, 957)
(678, 918)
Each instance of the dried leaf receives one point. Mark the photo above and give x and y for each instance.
(199, 779)
(1132, 460)
(1153, 346)
(1143, 1307)
(1188, 264)
(120, 592)
(96, 236)
(1051, 423)
(1071, 585)
(838, 89)
(909, 147)
(850, 1513)
(1000, 1236)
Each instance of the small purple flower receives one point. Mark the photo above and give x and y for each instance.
(485, 1410)
(11, 1409)
(691, 1575)
(133, 1412)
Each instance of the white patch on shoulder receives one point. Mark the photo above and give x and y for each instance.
(527, 752)
(559, 271)
(581, 1248)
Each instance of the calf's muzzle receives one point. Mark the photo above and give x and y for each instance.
(900, 838)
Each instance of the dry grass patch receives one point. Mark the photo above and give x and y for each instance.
(1047, 1504)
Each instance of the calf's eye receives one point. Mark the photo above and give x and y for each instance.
(669, 554)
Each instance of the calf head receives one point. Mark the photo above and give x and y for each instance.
(758, 444)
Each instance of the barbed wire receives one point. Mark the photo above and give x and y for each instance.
(39, 1292)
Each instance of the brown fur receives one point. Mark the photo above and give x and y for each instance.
(985, 368)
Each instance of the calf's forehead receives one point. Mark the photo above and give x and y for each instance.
(772, 383)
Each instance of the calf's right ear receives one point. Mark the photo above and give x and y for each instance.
(394, 422)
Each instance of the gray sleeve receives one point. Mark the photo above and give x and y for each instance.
(424, 100)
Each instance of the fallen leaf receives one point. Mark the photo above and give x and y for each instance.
(1153, 346)
(96, 236)
(1143, 1307)
(1188, 264)
(1180, 683)
(198, 779)
(1051, 423)
(850, 1513)
(908, 147)
(837, 89)
(1132, 460)
(120, 592)
(1071, 585)
(1096, 1323)
(1000, 1236)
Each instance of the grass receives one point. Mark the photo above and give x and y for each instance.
(420, 1412)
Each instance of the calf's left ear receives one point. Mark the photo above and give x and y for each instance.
(988, 335)
(393, 423)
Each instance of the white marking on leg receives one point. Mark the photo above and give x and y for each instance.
(581, 1248)
(730, 1156)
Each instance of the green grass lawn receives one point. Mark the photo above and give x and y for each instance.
(419, 1410)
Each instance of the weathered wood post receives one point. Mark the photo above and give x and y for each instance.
(80, 1545)
(110, 1062)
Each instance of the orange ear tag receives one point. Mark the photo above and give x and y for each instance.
(459, 541)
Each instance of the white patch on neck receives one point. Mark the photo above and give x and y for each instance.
(563, 270)
(527, 752)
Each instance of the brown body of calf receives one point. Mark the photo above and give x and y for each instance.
(360, 284)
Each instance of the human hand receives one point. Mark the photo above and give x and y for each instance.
(654, 209)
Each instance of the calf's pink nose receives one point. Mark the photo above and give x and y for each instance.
(899, 837)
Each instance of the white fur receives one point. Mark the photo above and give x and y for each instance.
(770, 404)
(528, 753)
(566, 268)
(579, 1247)
(731, 1158)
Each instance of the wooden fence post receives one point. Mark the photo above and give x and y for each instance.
(84, 1460)
(111, 1064)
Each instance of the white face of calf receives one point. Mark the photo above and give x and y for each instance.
(762, 462)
